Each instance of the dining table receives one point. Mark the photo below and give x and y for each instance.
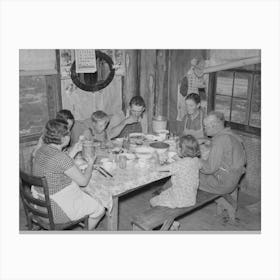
(122, 181)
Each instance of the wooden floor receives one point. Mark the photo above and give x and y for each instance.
(202, 220)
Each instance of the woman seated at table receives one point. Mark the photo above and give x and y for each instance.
(134, 121)
(68, 201)
(193, 120)
(94, 128)
(64, 115)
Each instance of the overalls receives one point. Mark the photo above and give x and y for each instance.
(199, 133)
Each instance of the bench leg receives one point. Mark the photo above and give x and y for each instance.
(167, 224)
(113, 219)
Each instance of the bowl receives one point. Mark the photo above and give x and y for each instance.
(152, 137)
(163, 131)
(136, 138)
(144, 152)
(160, 147)
(128, 156)
(136, 135)
(109, 166)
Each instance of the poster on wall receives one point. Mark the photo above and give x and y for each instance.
(85, 61)
(66, 59)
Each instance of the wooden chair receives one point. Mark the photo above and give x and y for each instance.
(38, 212)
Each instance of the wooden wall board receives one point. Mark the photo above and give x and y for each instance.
(148, 82)
(131, 81)
(161, 94)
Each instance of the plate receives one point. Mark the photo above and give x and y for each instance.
(163, 131)
(136, 135)
(144, 152)
(151, 137)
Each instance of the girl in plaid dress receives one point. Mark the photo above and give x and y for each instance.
(185, 177)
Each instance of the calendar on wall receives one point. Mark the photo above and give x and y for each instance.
(85, 61)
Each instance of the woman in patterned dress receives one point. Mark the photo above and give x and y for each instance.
(64, 115)
(68, 201)
(185, 177)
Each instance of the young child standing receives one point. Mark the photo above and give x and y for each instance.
(185, 177)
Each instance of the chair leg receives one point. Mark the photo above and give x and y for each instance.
(136, 228)
(86, 223)
(29, 222)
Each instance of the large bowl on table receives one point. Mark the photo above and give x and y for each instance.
(144, 153)
(160, 147)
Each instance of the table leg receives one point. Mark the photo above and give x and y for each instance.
(113, 219)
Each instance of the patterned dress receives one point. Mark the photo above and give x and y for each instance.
(51, 163)
(185, 181)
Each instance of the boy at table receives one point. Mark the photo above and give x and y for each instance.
(93, 128)
(134, 121)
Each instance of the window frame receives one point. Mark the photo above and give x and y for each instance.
(212, 99)
(53, 91)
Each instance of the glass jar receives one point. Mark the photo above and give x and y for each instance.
(122, 161)
(88, 150)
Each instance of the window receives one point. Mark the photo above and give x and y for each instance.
(33, 104)
(39, 92)
(237, 93)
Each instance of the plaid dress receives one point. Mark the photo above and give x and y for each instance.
(185, 181)
(51, 163)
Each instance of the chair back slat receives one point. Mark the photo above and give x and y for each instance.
(35, 211)
(38, 210)
(30, 180)
(28, 196)
(27, 181)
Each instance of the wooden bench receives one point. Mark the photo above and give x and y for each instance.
(164, 216)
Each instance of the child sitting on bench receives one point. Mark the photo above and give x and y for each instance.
(185, 177)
